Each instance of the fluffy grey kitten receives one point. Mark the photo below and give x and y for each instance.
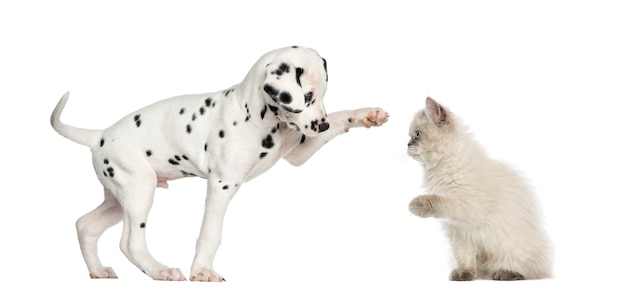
(488, 211)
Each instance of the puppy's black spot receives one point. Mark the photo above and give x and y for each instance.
(172, 161)
(208, 102)
(149, 153)
(206, 145)
(263, 154)
(314, 125)
(285, 97)
(292, 110)
(182, 111)
(350, 120)
(294, 46)
(193, 117)
(185, 157)
(270, 90)
(308, 97)
(101, 142)
(221, 134)
(268, 142)
(177, 157)
(110, 170)
(202, 110)
(234, 123)
(136, 119)
(302, 139)
(225, 187)
(188, 129)
(186, 174)
(263, 112)
(105, 173)
(274, 109)
(325, 68)
(283, 68)
(142, 225)
(299, 72)
(106, 161)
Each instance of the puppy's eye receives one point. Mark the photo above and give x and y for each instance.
(417, 135)
(308, 97)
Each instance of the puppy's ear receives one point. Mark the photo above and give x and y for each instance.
(282, 84)
(435, 112)
(274, 73)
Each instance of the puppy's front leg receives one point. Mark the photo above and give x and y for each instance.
(340, 122)
(219, 194)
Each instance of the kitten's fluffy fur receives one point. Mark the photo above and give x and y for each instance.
(488, 211)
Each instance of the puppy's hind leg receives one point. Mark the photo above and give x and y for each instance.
(136, 199)
(90, 227)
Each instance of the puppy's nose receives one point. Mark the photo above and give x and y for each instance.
(323, 126)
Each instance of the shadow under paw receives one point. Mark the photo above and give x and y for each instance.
(462, 275)
(507, 275)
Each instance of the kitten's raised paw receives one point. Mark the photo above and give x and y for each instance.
(460, 274)
(424, 205)
(507, 275)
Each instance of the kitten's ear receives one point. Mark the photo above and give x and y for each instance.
(435, 112)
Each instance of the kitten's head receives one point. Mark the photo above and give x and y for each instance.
(430, 132)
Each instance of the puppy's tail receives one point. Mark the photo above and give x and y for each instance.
(87, 137)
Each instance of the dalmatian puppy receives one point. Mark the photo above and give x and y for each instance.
(226, 137)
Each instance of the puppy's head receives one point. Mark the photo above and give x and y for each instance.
(294, 87)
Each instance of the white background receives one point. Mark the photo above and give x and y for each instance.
(541, 83)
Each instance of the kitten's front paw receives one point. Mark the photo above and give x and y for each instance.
(424, 205)
(460, 274)
(507, 275)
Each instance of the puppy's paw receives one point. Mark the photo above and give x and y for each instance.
(424, 205)
(206, 275)
(105, 273)
(170, 274)
(368, 117)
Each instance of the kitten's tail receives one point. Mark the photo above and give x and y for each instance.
(87, 137)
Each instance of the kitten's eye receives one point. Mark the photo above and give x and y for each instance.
(308, 97)
(418, 134)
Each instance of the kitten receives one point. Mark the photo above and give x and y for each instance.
(488, 211)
